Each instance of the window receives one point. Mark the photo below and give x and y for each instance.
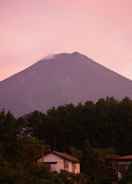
(73, 168)
(66, 165)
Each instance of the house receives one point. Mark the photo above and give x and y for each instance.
(119, 165)
(57, 161)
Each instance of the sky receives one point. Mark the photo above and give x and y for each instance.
(33, 29)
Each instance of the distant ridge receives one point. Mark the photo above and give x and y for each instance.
(58, 80)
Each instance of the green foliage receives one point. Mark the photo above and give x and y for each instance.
(89, 131)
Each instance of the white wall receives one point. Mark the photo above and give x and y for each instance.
(60, 163)
(53, 158)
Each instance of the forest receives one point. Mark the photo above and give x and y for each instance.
(90, 131)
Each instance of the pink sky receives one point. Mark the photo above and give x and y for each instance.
(32, 29)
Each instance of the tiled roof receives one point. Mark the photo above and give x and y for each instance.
(121, 158)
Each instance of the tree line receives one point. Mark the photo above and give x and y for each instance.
(90, 131)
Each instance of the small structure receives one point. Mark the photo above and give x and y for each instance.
(119, 165)
(57, 161)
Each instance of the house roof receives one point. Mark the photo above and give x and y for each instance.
(66, 156)
(120, 158)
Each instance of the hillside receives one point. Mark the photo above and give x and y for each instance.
(61, 79)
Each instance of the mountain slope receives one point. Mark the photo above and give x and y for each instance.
(59, 80)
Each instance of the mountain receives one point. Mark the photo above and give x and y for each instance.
(58, 80)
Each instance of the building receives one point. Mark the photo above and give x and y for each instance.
(119, 165)
(57, 161)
